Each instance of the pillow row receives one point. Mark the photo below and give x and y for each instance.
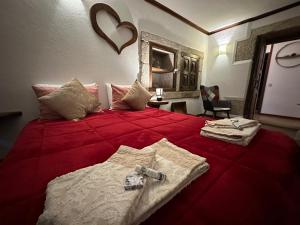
(74, 101)
(70, 101)
(125, 97)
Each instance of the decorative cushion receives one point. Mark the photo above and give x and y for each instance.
(210, 93)
(137, 97)
(109, 92)
(118, 92)
(71, 101)
(45, 89)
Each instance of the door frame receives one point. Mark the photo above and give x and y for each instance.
(262, 86)
(262, 41)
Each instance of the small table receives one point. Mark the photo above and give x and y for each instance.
(10, 114)
(157, 104)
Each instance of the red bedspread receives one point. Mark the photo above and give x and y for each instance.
(255, 185)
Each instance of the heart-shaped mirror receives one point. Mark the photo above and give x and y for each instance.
(120, 24)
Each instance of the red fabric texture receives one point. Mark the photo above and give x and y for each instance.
(257, 184)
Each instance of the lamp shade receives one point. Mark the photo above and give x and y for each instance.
(159, 92)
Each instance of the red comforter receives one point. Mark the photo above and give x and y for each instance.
(255, 185)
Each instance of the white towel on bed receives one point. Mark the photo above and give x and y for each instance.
(95, 195)
(181, 168)
(234, 123)
(235, 136)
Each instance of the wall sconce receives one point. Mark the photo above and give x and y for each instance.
(222, 49)
(159, 93)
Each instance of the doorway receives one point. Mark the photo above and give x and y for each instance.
(258, 77)
(258, 84)
(281, 93)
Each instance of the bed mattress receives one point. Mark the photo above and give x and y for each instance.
(258, 184)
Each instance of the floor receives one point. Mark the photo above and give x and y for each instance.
(290, 127)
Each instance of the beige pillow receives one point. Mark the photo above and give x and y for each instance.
(45, 89)
(71, 101)
(137, 97)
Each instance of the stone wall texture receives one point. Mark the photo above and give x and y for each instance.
(245, 48)
(144, 72)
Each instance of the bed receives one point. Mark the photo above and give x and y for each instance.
(257, 184)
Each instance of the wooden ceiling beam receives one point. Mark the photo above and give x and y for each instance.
(190, 23)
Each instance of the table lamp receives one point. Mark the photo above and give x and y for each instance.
(159, 93)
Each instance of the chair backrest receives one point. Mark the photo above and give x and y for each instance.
(209, 95)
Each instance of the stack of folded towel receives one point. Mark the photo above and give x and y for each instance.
(237, 130)
(97, 195)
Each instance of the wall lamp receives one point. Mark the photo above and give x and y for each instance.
(222, 49)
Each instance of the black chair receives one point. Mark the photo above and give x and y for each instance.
(212, 102)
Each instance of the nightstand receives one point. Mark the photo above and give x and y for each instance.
(157, 104)
(4, 115)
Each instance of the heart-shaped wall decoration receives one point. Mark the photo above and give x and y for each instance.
(125, 24)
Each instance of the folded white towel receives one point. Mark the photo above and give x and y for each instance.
(232, 133)
(236, 130)
(244, 141)
(234, 123)
(95, 195)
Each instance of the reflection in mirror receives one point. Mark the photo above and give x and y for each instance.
(163, 67)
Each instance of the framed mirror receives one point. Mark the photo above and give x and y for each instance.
(163, 67)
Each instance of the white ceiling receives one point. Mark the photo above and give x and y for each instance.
(214, 14)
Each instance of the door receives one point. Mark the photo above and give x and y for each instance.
(258, 64)
(254, 83)
(189, 72)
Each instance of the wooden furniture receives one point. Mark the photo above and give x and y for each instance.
(179, 107)
(189, 68)
(124, 24)
(8, 115)
(4, 115)
(157, 104)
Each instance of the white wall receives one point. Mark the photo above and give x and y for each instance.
(282, 92)
(233, 77)
(52, 41)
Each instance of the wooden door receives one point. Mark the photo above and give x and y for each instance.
(189, 69)
(258, 63)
